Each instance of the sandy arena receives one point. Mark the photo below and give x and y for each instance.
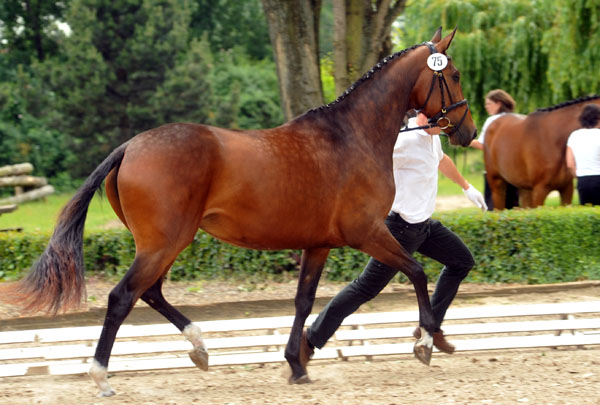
(535, 376)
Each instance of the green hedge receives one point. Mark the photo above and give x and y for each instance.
(544, 245)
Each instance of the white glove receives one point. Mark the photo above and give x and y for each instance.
(476, 197)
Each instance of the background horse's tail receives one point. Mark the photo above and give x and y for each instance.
(56, 280)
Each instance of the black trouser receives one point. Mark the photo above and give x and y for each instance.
(430, 238)
(588, 188)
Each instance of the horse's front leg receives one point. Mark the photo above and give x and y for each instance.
(385, 248)
(539, 194)
(566, 193)
(311, 267)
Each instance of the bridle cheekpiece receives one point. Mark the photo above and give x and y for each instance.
(440, 119)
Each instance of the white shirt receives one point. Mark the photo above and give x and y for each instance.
(486, 124)
(417, 157)
(585, 144)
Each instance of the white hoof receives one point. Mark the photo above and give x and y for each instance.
(200, 357)
(424, 347)
(99, 375)
(108, 393)
(199, 354)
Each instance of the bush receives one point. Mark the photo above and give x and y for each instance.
(545, 245)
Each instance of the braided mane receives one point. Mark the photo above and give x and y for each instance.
(568, 103)
(380, 65)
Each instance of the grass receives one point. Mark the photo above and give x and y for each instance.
(41, 215)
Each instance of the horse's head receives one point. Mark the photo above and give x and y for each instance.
(438, 94)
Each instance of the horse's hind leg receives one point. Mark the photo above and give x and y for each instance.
(154, 297)
(146, 269)
(381, 245)
(311, 268)
(566, 194)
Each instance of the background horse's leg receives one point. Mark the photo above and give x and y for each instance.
(539, 194)
(566, 193)
(385, 248)
(498, 186)
(143, 273)
(154, 297)
(312, 263)
(524, 198)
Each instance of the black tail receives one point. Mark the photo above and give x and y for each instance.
(56, 280)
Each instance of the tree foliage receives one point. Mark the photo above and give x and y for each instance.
(573, 47)
(497, 45)
(111, 66)
(541, 51)
(232, 23)
(28, 28)
(24, 137)
(130, 65)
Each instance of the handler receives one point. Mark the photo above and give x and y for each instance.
(583, 155)
(417, 157)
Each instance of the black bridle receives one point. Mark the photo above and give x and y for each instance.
(440, 119)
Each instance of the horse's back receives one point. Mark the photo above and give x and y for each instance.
(268, 189)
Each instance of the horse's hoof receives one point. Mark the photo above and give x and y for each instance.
(423, 353)
(200, 357)
(108, 393)
(300, 380)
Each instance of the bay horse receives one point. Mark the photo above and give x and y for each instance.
(528, 151)
(320, 181)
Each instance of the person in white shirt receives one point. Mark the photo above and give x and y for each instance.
(497, 103)
(417, 157)
(583, 155)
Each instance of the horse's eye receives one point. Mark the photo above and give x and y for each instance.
(456, 77)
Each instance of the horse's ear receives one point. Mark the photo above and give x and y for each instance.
(437, 36)
(444, 44)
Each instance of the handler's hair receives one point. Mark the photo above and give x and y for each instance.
(498, 95)
(590, 115)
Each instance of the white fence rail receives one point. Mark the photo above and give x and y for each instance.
(60, 351)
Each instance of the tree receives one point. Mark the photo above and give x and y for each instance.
(186, 94)
(117, 57)
(232, 23)
(294, 33)
(24, 137)
(28, 27)
(499, 44)
(361, 37)
(573, 47)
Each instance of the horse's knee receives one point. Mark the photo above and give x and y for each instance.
(416, 273)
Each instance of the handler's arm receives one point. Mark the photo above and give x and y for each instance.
(571, 161)
(476, 144)
(448, 168)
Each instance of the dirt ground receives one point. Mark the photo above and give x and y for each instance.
(535, 376)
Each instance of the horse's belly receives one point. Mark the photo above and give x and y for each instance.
(268, 233)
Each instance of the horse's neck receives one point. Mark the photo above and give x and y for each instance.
(567, 120)
(373, 113)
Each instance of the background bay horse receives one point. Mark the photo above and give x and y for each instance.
(528, 151)
(320, 181)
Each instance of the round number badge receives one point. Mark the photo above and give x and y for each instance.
(437, 61)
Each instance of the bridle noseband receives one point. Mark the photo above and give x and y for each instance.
(440, 119)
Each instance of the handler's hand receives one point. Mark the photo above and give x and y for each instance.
(476, 197)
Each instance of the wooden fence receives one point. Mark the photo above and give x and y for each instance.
(62, 351)
(26, 186)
